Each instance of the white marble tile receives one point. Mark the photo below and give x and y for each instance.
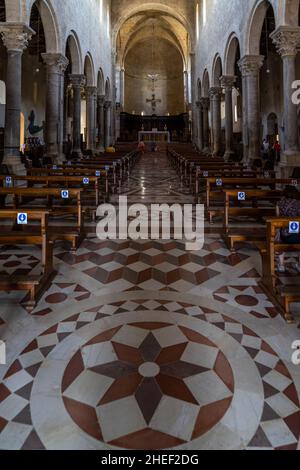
(207, 388)
(89, 388)
(175, 417)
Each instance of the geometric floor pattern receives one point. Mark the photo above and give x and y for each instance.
(142, 345)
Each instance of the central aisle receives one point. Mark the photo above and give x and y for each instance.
(142, 345)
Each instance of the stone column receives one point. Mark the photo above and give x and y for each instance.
(200, 126)
(100, 120)
(215, 94)
(90, 92)
(122, 88)
(77, 81)
(287, 41)
(56, 65)
(250, 66)
(227, 82)
(205, 103)
(15, 37)
(107, 124)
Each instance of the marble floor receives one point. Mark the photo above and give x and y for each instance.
(143, 345)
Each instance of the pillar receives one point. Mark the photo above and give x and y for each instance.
(77, 81)
(287, 41)
(215, 94)
(91, 93)
(227, 83)
(56, 65)
(205, 103)
(15, 37)
(200, 126)
(122, 88)
(107, 124)
(100, 120)
(250, 66)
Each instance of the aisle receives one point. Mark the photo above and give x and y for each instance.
(142, 345)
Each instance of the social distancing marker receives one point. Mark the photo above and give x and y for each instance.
(242, 196)
(86, 181)
(219, 182)
(65, 194)
(294, 227)
(22, 218)
(98, 173)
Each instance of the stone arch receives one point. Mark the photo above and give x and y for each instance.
(48, 17)
(205, 84)
(217, 71)
(89, 70)
(233, 46)
(75, 53)
(100, 82)
(256, 25)
(107, 90)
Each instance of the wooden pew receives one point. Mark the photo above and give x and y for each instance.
(75, 172)
(89, 185)
(57, 207)
(283, 294)
(38, 284)
(251, 210)
(214, 192)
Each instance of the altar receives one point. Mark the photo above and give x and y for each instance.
(154, 136)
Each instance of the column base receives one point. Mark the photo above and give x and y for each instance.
(14, 165)
(289, 161)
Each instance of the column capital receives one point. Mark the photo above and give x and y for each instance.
(101, 100)
(16, 36)
(90, 91)
(198, 104)
(205, 102)
(286, 40)
(228, 81)
(215, 92)
(250, 65)
(107, 104)
(57, 62)
(77, 81)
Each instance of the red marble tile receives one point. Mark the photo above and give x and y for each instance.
(293, 422)
(291, 393)
(224, 371)
(147, 439)
(50, 331)
(74, 368)
(171, 354)
(281, 368)
(151, 326)
(175, 388)
(209, 416)
(3, 423)
(246, 300)
(31, 347)
(4, 392)
(56, 298)
(105, 336)
(14, 368)
(128, 354)
(84, 416)
(121, 388)
(265, 347)
(196, 337)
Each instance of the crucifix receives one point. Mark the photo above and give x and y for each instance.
(153, 102)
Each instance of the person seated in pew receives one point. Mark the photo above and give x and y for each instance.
(288, 206)
(110, 149)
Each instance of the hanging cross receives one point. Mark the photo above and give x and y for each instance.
(153, 102)
(154, 78)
